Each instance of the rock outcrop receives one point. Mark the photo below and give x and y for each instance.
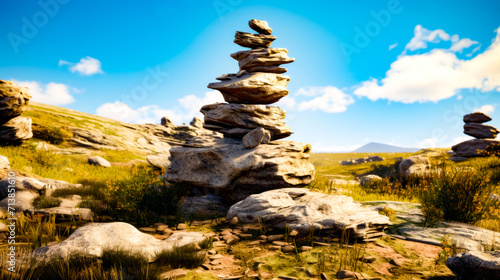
(300, 209)
(248, 160)
(93, 238)
(485, 137)
(361, 160)
(414, 166)
(475, 265)
(13, 102)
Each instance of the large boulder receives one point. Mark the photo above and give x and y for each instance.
(13, 100)
(253, 40)
(480, 131)
(414, 166)
(300, 209)
(93, 238)
(475, 265)
(224, 167)
(367, 179)
(236, 120)
(473, 148)
(476, 117)
(252, 88)
(15, 131)
(256, 58)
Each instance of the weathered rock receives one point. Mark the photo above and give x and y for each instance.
(252, 88)
(247, 60)
(173, 274)
(236, 120)
(480, 131)
(207, 205)
(160, 160)
(253, 40)
(196, 122)
(165, 121)
(225, 166)
(22, 183)
(301, 209)
(268, 69)
(4, 162)
(13, 100)
(255, 137)
(15, 131)
(414, 166)
(369, 178)
(99, 161)
(93, 238)
(476, 117)
(24, 201)
(475, 265)
(260, 26)
(471, 148)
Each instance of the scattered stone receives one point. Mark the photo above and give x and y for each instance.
(480, 131)
(165, 121)
(364, 180)
(260, 26)
(93, 238)
(147, 229)
(301, 209)
(196, 122)
(3, 227)
(253, 40)
(233, 221)
(245, 236)
(346, 274)
(159, 160)
(362, 160)
(231, 239)
(4, 162)
(24, 201)
(253, 88)
(288, 249)
(181, 226)
(253, 138)
(167, 231)
(274, 248)
(305, 248)
(206, 266)
(368, 259)
(293, 233)
(280, 243)
(99, 161)
(288, 278)
(236, 120)
(215, 262)
(396, 262)
(67, 213)
(476, 117)
(225, 166)
(457, 159)
(173, 274)
(22, 183)
(323, 276)
(276, 237)
(414, 166)
(475, 265)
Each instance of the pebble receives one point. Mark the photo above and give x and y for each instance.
(181, 226)
(275, 237)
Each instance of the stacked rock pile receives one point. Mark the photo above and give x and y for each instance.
(485, 136)
(14, 100)
(247, 160)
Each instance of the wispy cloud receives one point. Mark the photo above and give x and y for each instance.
(393, 46)
(423, 36)
(487, 109)
(87, 66)
(51, 93)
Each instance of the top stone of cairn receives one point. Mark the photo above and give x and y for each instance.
(260, 26)
(476, 117)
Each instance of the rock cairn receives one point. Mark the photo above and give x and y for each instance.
(14, 100)
(485, 136)
(247, 160)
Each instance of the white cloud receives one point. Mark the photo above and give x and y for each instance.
(422, 36)
(486, 109)
(190, 106)
(393, 46)
(87, 66)
(329, 99)
(460, 45)
(435, 75)
(51, 93)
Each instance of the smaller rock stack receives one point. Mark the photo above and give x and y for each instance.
(485, 136)
(14, 100)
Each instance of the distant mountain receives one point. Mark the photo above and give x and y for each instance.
(383, 148)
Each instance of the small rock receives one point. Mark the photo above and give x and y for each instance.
(159, 160)
(368, 259)
(275, 237)
(396, 262)
(167, 231)
(215, 262)
(274, 248)
(288, 278)
(165, 121)
(173, 274)
(280, 243)
(260, 26)
(4, 162)
(181, 226)
(233, 221)
(217, 256)
(414, 166)
(147, 229)
(99, 161)
(212, 252)
(346, 274)
(305, 248)
(231, 239)
(161, 228)
(323, 276)
(262, 237)
(254, 138)
(206, 266)
(245, 235)
(293, 233)
(288, 249)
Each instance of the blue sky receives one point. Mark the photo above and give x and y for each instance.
(397, 72)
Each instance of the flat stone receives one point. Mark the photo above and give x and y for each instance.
(305, 248)
(471, 148)
(480, 131)
(475, 265)
(300, 209)
(232, 239)
(253, 88)
(173, 274)
(99, 161)
(280, 243)
(236, 120)
(147, 229)
(181, 226)
(260, 26)
(476, 117)
(268, 57)
(253, 40)
(159, 160)
(276, 237)
(288, 249)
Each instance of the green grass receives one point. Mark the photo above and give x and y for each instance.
(186, 256)
(46, 202)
